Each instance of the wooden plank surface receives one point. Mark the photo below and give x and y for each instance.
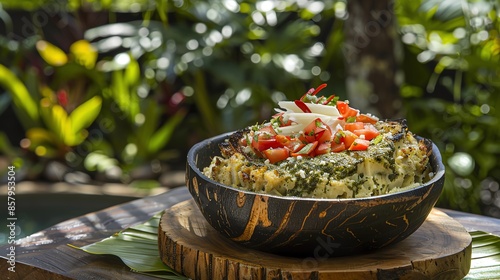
(441, 247)
(45, 255)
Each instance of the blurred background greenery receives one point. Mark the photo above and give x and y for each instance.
(119, 90)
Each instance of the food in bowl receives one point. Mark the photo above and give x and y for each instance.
(320, 147)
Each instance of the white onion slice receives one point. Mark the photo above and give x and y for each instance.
(315, 108)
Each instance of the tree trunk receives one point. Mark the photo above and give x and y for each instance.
(372, 52)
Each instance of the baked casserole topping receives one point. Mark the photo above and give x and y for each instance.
(320, 147)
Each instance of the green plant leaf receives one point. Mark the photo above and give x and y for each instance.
(20, 95)
(43, 142)
(56, 119)
(161, 137)
(85, 114)
(137, 247)
(485, 262)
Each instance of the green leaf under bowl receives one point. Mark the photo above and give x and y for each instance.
(137, 247)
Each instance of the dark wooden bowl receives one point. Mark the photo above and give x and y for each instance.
(297, 226)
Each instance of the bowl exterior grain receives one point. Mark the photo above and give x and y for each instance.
(304, 226)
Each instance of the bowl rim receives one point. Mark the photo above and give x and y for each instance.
(437, 176)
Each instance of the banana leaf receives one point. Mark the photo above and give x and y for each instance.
(485, 262)
(138, 249)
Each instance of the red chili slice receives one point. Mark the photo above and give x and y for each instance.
(302, 106)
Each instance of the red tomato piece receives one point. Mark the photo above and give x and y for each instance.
(366, 119)
(281, 120)
(349, 138)
(338, 147)
(368, 133)
(345, 110)
(283, 140)
(359, 145)
(338, 137)
(266, 132)
(323, 148)
(307, 150)
(276, 155)
(354, 126)
(264, 144)
(317, 131)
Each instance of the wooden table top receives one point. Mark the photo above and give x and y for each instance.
(46, 255)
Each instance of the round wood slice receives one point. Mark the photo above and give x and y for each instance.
(439, 249)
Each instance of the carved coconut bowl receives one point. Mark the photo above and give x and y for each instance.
(297, 226)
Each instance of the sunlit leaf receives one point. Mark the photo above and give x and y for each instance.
(85, 114)
(99, 161)
(43, 142)
(120, 93)
(137, 247)
(485, 262)
(84, 53)
(162, 136)
(132, 72)
(20, 95)
(51, 54)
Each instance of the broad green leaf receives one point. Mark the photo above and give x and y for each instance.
(162, 136)
(121, 94)
(485, 263)
(132, 77)
(132, 72)
(51, 54)
(55, 118)
(85, 114)
(137, 246)
(20, 95)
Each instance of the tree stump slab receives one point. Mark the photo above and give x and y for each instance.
(439, 249)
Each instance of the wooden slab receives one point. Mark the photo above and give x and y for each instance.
(440, 248)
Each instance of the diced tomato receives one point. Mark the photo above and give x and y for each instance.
(317, 131)
(265, 139)
(307, 150)
(266, 132)
(296, 146)
(354, 126)
(264, 144)
(283, 140)
(323, 148)
(281, 120)
(368, 133)
(338, 137)
(359, 145)
(337, 147)
(345, 110)
(325, 136)
(366, 119)
(349, 138)
(276, 155)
